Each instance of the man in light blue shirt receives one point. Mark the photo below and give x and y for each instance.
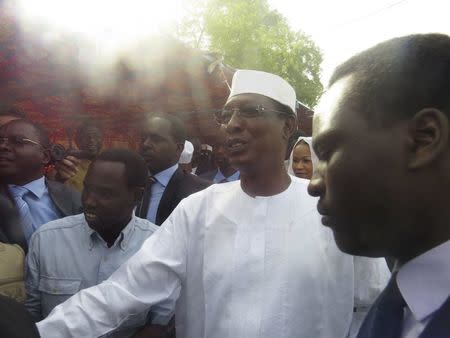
(80, 251)
(24, 152)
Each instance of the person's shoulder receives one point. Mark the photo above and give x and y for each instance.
(62, 189)
(145, 225)
(69, 222)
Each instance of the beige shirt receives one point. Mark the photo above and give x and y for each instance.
(12, 271)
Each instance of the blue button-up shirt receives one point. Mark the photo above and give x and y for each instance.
(220, 177)
(42, 208)
(157, 190)
(66, 256)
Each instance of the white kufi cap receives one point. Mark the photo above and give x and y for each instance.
(186, 155)
(270, 85)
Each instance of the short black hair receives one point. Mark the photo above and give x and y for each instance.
(177, 128)
(136, 171)
(44, 139)
(84, 126)
(12, 111)
(397, 78)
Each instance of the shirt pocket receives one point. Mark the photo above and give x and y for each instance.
(55, 291)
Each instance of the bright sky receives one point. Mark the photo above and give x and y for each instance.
(342, 28)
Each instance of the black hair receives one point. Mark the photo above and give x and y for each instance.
(176, 125)
(136, 171)
(399, 77)
(44, 139)
(12, 111)
(85, 125)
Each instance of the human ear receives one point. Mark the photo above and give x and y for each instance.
(428, 137)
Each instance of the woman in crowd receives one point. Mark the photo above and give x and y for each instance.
(371, 274)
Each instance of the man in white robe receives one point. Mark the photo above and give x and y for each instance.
(245, 259)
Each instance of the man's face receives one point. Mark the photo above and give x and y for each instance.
(107, 199)
(253, 143)
(21, 159)
(157, 145)
(90, 141)
(361, 178)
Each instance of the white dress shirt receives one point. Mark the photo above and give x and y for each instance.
(232, 266)
(425, 285)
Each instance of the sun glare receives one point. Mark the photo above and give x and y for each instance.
(109, 22)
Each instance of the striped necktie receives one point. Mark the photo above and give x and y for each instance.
(20, 197)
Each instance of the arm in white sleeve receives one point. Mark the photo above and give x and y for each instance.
(152, 276)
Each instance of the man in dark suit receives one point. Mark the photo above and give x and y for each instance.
(24, 152)
(162, 139)
(382, 136)
(223, 172)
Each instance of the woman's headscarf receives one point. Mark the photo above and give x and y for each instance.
(314, 159)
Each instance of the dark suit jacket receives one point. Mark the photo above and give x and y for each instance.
(438, 326)
(15, 321)
(180, 186)
(209, 175)
(66, 200)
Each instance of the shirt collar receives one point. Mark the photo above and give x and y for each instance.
(123, 238)
(220, 176)
(163, 177)
(36, 187)
(425, 281)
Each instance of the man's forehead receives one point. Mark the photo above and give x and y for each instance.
(333, 111)
(20, 128)
(106, 171)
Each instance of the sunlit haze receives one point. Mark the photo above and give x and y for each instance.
(339, 28)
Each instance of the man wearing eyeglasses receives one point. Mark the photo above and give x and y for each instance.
(24, 152)
(244, 259)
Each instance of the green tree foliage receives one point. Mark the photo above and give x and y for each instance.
(251, 35)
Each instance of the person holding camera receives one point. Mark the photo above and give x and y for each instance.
(72, 169)
(24, 152)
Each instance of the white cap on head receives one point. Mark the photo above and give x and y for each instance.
(270, 85)
(186, 155)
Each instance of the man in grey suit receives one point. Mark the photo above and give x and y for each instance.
(24, 152)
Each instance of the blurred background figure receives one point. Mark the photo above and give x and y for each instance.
(185, 161)
(223, 171)
(73, 168)
(301, 159)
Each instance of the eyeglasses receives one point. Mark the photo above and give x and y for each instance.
(17, 141)
(224, 116)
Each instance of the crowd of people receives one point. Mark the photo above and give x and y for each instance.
(118, 243)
